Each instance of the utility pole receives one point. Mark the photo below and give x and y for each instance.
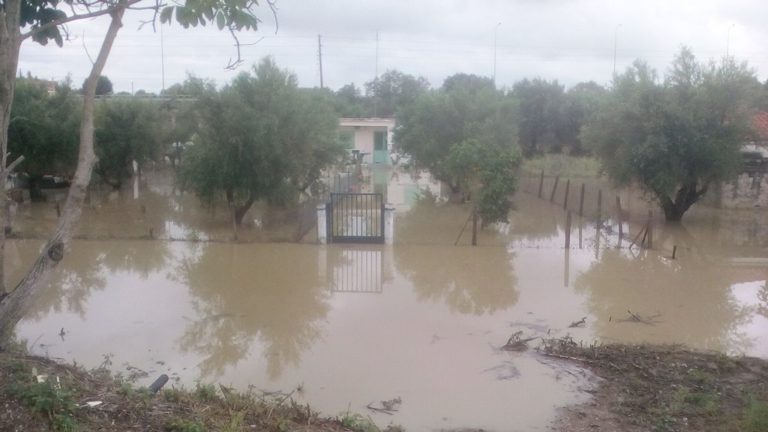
(495, 37)
(376, 80)
(728, 42)
(615, 42)
(377, 54)
(320, 58)
(162, 56)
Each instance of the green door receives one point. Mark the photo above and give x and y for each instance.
(380, 153)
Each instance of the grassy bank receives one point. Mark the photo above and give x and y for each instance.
(666, 388)
(563, 165)
(640, 388)
(38, 394)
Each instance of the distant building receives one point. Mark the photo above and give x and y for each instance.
(750, 189)
(368, 139)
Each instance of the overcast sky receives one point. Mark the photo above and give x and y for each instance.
(567, 40)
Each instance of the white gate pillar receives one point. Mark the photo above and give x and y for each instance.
(322, 224)
(389, 224)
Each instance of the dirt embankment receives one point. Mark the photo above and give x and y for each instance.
(38, 394)
(641, 388)
(665, 388)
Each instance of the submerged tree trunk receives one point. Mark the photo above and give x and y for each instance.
(10, 43)
(686, 196)
(15, 304)
(238, 212)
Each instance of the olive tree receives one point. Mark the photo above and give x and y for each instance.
(464, 134)
(44, 127)
(675, 137)
(260, 138)
(127, 130)
(42, 21)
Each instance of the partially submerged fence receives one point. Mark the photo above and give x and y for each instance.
(622, 213)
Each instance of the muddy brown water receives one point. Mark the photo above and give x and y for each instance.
(421, 320)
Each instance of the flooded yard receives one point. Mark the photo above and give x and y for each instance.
(421, 320)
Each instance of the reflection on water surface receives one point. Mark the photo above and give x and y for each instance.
(419, 320)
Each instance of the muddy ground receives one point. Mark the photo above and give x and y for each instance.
(38, 394)
(665, 388)
(640, 388)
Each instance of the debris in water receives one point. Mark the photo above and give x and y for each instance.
(158, 384)
(633, 317)
(579, 323)
(517, 343)
(386, 406)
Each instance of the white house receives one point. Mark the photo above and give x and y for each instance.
(369, 139)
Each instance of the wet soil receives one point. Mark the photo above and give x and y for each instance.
(641, 388)
(61, 403)
(664, 388)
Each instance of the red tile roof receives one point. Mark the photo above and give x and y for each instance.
(760, 126)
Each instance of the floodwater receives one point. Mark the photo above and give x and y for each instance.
(421, 320)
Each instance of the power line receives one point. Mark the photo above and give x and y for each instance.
(320, 58)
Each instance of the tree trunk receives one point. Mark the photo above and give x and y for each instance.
(10, 43)
(242, 210)
(16, 303)
(686, 196)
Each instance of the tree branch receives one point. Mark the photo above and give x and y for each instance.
(13, 165)
(76, 17)
(234, 64)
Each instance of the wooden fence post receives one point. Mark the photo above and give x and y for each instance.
(474, 227)
(567, 191)
(581, 201)
(554, 189)
(599, 205)
(618, 217)
(650, 229)
(541, 183)
(568, 230)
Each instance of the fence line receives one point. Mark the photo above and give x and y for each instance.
(590, 206)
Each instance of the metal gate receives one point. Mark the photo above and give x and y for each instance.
(356, 218)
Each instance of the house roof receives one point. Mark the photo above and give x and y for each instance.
(367, 122)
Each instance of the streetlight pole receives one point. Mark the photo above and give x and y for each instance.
(615, 42)
(728, 41)
(495, 39)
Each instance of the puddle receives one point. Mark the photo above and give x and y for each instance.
(421, 320)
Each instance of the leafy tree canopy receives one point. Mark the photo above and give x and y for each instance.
(127, 130)
(678, 136)
(394, 90)
(103, 86)
(540, 103)
(44, 128)
(260, 138)
(464, 134)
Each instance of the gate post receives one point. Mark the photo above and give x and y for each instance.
(322, 224)
(389, 224)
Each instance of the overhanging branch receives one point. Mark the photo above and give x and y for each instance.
(77, 17)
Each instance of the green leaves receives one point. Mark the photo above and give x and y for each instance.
(127, 129)
(220, 21)
(682, 134)
(260, 137)
(44, 128)
(464, 134)
(233, 14)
